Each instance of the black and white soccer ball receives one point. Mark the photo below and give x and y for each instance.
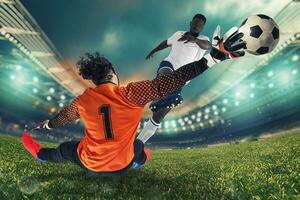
(261, 34)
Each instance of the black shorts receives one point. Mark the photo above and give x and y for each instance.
(67, 151)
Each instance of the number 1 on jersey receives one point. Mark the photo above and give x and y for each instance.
(104, 110)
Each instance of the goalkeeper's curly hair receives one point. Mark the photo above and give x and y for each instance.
(95, 67)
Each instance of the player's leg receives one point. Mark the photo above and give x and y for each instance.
(160, 107)
(64, 152)
(141, 154)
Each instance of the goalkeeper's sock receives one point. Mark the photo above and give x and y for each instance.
(31, 145)
(148, 130)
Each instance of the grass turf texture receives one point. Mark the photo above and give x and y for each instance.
(264, 169)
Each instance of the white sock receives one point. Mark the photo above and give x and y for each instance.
(148, 130)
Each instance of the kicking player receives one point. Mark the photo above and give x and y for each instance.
(186, 47)
(111, 114)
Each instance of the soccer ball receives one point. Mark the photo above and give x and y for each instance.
(261, 34)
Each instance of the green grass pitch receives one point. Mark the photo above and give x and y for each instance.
(263, 169)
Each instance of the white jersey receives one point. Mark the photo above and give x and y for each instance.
(184, 53)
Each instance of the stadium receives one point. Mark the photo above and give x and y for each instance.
(235, 136)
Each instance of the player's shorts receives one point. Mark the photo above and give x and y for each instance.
(68, 151)
(172, 100)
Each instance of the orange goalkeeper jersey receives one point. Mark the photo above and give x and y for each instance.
(111, 115)
(110, 123)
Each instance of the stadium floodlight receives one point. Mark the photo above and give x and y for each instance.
(214, 107)
(252, 85)
(199, 114)
(252, 95)
(193, 116)
(35, 79)
(12, 77)
(61, 105)
(225, 101)
(207, 110)
(35, 90)
(7, 35)
(18, 67)
(271, 85)
(52, 90)
(237, 103)
(198, 119)
(205, 116)
(224, 109)
(270, 73)
(237, 94)
(211, 121)
(180, 120)
(52, 109)
(183, 128)
(62, 97)
(166, 124)
(190, 122)
(294, 72)
(173, 122)
(186, 119)
(295, 58)
(216, 113)
(201, 124)
(49, 98)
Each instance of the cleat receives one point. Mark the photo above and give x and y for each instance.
(30, 145)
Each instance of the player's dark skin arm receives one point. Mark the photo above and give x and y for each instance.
(161, 46)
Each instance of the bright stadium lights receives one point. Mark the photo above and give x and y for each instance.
(180, 120)
(252, 85)
(51, 90)
(18, 67)
(7, 35)
(295, 58)
(271, 85)
(198, 119)
(199, 114)
(62, 97)
(237, 94)
(173, 123)
(211, 121)
(225, 101)
(166, 124)
(205, 116)
(252, 95)
(214, 107)
(190, 122)
(183, 128)
(186, 119)
(224, 109)
(237, 103)
(270, 73)
(61, 105)
(193, 116)
(48, 98)
(35, 79)
(294, 72)
(201, 125)
(216, 113)
(35, 90)
(52, 110)
(12, 77)
(207, 110)
(2, 32)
